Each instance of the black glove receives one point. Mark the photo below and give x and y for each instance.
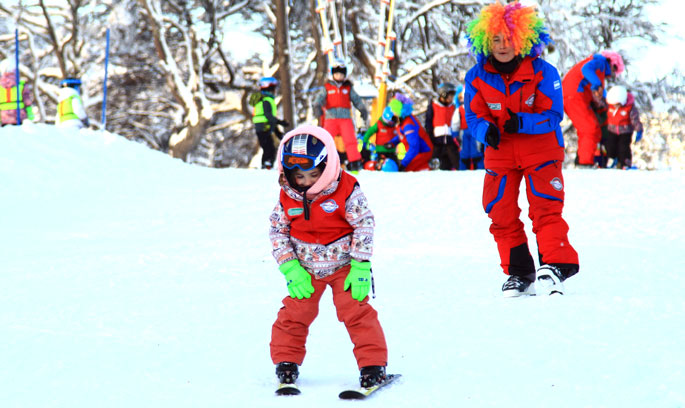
(284, 123)
(492, 136)
(512, 125)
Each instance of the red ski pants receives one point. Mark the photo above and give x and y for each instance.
(545, 193)
(289, 332)
(344, 128)
(587, 127)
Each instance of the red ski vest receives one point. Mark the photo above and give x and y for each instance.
(442, 115)
(384, 133)
(462, 118)
(327, 222)
(338, 97)
(619, 115)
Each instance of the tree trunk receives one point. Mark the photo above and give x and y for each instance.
(283, 54)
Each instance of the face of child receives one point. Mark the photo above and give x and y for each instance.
(502, 50)
(306, 179)
(338, 76)
(448, 100)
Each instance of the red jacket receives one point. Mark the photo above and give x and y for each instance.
(384, 134)
(338, 97)
(462, 118)
(533, 91)
(586, 76)
(327, 221)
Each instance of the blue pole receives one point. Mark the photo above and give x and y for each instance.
(16, 60)
(104, 98)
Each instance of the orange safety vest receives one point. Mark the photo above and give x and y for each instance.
(66, 110)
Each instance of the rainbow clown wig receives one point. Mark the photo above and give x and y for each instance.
(520, 26)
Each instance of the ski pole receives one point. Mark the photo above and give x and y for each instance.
(16, 60)
(104, 96)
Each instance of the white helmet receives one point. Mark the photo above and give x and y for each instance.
(617, 95)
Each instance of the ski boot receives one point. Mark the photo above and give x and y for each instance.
(517, 286)
(287, 372)
(550, 280)
(371, 375)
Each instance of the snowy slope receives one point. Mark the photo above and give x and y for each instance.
(130, 279)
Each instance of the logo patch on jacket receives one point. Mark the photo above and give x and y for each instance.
(344, 91)
(495, 106)
(556, 184)
(329, 205)
(557, 84)
(295, 211)
(530, 101)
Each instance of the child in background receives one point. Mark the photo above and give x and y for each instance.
(8, 95)
(322, 235)
(70, 110)
(414, 137)
(265, 120)
(439, 127)
(623, 119)
(471, 154)
(384, 130)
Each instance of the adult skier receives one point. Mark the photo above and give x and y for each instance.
(513, 104)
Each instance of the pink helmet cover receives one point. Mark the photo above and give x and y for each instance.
(332, 169)
(615, 59)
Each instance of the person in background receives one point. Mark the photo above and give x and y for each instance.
(322, 232)
(514, 105)
(623, 119)
(384, 129)
(70, 110)
(337, 97)
(265, 120)
(583, 88)
(8, 95)
(438, 122)
(414, 137)
(471, 154)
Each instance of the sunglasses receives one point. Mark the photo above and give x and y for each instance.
(304, 163)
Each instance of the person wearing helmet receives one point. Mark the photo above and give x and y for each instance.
(513, 104)
(336, 98)
(583, 88)
(413, 136)
(384, 130)
(623, 118)
(322, 235)
(8, 95)
(265, 121)
(70, 110)
(439, 127)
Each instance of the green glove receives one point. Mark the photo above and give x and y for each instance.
(359, 279)
(298, 279)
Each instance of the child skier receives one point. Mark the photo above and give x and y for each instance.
(322, 235)
(514, 105)
(623, 119)
(471, 153)
(384, 130)
(439, 127)
(70, 110)
(8, 95)
(265, 121)
(413, 136)
(337, 98)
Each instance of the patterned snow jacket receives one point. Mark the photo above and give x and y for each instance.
(340, 227)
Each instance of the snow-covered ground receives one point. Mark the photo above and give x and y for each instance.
(130, 279)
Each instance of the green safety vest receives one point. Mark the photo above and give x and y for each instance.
(258, 114)
(66, 110)
(8, 99)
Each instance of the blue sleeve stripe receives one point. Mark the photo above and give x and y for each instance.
(539, 194)
(500, 193)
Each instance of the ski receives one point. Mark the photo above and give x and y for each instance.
(288, 389)
(362, 393)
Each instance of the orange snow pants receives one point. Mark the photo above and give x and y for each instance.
(582, 116)
(545, 193)
(289, 332)
(344, 128)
